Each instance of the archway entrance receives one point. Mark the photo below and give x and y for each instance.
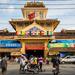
(35, 48)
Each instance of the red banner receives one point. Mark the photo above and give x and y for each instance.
(34, 47)
(31, 16)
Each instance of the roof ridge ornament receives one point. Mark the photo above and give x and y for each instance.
(34, 1)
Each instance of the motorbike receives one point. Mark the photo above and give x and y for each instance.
(28, 68)
(55, 70)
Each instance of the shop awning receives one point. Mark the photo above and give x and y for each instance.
(69, 49)
(9, 49)
(16, 54)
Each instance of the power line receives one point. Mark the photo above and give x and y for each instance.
(24, 4)
(45, 0)
(36, 9)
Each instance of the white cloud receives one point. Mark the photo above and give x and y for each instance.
(9, 10)
(67, 20)
(5, 24)
(4, 1)
(57, 12)
(68, 27)
(3, 21)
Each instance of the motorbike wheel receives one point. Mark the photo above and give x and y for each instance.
(36, 70)
(55, 72)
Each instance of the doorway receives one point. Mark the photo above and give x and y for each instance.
(7, 54)
(35, 53)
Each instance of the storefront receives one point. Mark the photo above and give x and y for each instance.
(9, 46)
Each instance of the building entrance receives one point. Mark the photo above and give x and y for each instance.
(35, 53)
(7, 54)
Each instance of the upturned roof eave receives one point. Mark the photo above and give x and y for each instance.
(12, 22)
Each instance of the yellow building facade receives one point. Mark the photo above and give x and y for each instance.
(34, 30)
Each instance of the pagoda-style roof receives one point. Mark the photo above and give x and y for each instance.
(69, 31)
(4, 30)
(47, 23)
(5, 34)
(65, 34)
(34, 4)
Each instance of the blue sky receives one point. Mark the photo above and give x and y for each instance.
(64, 10)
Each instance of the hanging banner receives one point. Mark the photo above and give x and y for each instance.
(10, 44)
(34, 47)
(31, 16)
(64, 45)
(39, 33)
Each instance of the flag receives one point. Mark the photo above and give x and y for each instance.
(47, 32)
(30, 33)
(72, 44)
(18, 33)
(31, 16)
(37, 32)
(22, 32)
(33, 32)
(48, 45)
(50, 33)
(41, 32)
(27, 33)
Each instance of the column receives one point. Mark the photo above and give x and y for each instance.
(23, 47)
(46, 49)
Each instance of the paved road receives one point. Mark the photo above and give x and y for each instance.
(65, 69)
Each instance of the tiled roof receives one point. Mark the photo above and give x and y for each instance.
(34, 4)
(63, 49)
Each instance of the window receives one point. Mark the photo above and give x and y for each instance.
(41, 14)
(27, 13)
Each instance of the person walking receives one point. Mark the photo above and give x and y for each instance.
(4, 65)
(40, 61)
(22, 60)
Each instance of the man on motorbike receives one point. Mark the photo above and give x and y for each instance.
(55, 61)
(33, 61)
